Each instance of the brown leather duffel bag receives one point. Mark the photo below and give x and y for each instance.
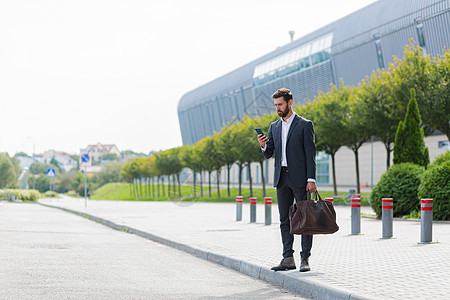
(313, 216)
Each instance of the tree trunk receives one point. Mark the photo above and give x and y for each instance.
(145, 187)
(250, 178)
(262, 178)
(179, 185)
(157, 185)
(195, 188)
(163, 187)
(241, 167)
(209, 183)
(228, 179)
(201, 184)
(140, 186)
(358, 187)
(131, 194)
(174, 185)
(217, 182)
(388, 154)
(136, 189)
(168, 186)
(333, 170)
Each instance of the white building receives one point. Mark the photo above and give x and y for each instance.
(96, 153)
(64, 160)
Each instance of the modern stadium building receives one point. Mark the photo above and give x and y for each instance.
(348, 50)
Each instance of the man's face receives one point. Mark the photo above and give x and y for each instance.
(282, 106)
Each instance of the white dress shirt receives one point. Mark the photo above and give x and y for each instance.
(285, 125)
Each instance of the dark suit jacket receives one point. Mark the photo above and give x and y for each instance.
(300, 150)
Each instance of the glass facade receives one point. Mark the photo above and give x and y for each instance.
(322, 168)
(296, 59)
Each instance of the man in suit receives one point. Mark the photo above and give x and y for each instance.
(292, 139)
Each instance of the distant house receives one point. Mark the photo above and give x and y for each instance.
(62, 158)
(96, 153)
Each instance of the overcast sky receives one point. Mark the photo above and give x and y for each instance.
(74, 73)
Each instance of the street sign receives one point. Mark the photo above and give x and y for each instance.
(85, 157)
(51, 173)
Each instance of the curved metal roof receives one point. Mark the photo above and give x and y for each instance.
(376, 18)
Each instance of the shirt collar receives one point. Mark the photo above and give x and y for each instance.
(289, 120)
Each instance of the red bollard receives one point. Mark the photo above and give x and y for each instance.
(268, 207)
(330, 200)
(252, 209)
(239, 200)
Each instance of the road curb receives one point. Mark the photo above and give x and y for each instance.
(291, 281)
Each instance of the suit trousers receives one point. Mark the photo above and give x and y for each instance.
(286, 192)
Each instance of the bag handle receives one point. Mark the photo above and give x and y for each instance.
(316, 195)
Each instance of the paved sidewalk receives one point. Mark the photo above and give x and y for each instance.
(343, 266)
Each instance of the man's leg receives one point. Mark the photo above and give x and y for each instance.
(300, 194)
(285, 199)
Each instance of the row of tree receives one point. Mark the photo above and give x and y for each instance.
(344, 116)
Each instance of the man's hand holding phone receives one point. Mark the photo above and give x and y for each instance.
(262, 139)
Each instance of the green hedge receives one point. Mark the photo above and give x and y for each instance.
(436, 185)
(400, 182)
(445, 157)
(50, 194)
(26, 195)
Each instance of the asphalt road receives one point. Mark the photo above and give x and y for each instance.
(50, 254)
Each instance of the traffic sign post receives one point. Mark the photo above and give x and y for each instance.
(85, 159)
(51, 173)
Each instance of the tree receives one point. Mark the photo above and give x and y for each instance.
(110, 172)
(328, 113)
(262, 122)
(9, 171)
(191, 160)
(435, 108)
(226, 144)
(110, 156)
(355, 133)
(409, 143)
(211, 159)
(380, 110)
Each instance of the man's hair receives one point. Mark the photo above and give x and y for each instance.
(285, 93)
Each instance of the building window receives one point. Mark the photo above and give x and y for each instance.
(323, 166)
(379, 51)
(420, 33)
(304, 56)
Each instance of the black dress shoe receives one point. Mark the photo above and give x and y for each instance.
(304, 266)
(287, 263)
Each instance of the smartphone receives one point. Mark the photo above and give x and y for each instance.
(259, 131)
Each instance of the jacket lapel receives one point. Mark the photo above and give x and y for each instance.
(277, 133)
(294, 123)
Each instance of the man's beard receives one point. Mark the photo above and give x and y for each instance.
(284, 113)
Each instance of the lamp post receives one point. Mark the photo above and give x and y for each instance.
(34, 167)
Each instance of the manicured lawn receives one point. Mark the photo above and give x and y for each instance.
(121, 191)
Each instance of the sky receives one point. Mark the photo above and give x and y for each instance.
(74, 73)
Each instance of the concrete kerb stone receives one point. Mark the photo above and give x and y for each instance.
(297, 285)
(250, 269)
(217, 258)
(232, 263)
(268, 275)
(289, 280)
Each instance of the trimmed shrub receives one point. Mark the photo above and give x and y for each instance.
(436, 185)
(50, 194)
(25, 195)
(445, 157)
(400, 182)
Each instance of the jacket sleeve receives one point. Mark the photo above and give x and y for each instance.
(270, 145)
(310, 150)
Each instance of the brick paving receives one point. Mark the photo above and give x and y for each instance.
(365, 265)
